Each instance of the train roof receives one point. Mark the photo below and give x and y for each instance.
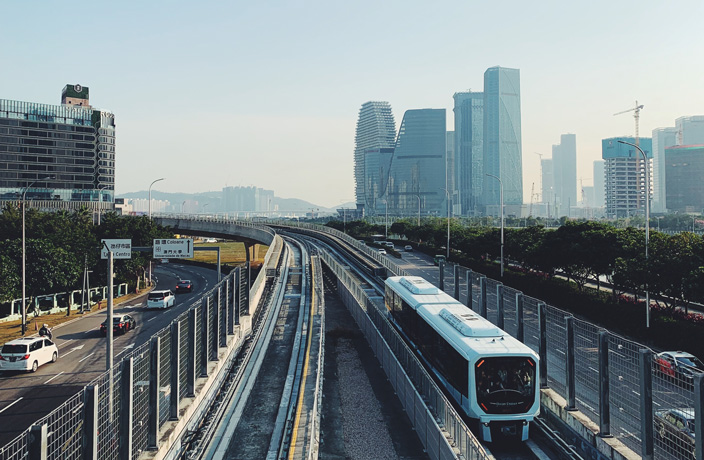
(469, 333)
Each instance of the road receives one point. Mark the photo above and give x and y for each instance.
(26, 397)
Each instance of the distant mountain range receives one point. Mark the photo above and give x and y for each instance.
(214, 200)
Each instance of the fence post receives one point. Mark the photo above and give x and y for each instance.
(519, 317)
(469, 289)
(126, 408)
(646, 402)
(216, 325)
(175, 369)
(38, 444)
(154, 382)
(222, 307)
(236, 295)
(191, 370)
(246, 290)
(604, 391)
(500, 305)
(441, 279)
(699, 415)
(204, 336)
(90, 415)
(482, 297)
(543, 349)
(569, 364)
(456, 272)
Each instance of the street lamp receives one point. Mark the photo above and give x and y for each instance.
(24, 253)
(386, 225)
(150, 196)
(501, 194)
(100, 199)
(647, 224)
(447, 193)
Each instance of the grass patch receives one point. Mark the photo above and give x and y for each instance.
(231, 252)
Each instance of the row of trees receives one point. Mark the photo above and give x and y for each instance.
(582, 251)
(59, 245)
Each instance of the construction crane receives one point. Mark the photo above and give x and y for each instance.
(636, 115)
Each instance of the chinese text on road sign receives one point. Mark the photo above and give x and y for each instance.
(121, 249)
(173, 249)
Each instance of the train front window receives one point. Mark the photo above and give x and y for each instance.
(505, 385)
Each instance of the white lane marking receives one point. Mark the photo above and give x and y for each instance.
(151, 319)
(64, 343)
(53, 378)
(85, 357)
(73, 349)
(125, 349)
(11, 404)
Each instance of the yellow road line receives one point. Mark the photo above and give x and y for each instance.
(294, 434)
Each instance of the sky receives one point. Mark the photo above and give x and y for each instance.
(209, 94)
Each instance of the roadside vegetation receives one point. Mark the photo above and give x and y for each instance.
(567, 265)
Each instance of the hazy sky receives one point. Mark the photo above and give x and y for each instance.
(211, 94)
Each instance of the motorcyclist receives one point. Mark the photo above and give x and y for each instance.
(45, 331)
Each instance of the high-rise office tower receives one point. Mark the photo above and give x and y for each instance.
(450, 170)
(662, 139)
(599, 188)
(469, 135)
(690, 130)
(62, 156)
(684, 168)
(502, 137)
(376, 175)
(418, 166)
(548, 183)
(376, 129)
(625, 173)
(564, 159)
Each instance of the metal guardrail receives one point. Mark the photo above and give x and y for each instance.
(150, 383)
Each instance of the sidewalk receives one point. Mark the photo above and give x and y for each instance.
(13, 329)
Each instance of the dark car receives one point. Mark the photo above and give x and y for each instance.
(184, 286)
(120, 324)
(678, 366)
(675, 428)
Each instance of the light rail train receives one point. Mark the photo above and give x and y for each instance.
(491, 375)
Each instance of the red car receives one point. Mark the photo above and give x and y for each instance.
(184, 286)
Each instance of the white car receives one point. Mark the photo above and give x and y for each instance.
(27, 354)
(382, 251)
(160, 299)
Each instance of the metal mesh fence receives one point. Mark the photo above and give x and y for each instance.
(64, 425)
(586, 353)
(199, 338)
(183, 356)
(109, 417)
(531, 323)
(510, 323)
(140, 398)
(212, 350)
(557, 344)
(625, 391)
(16, 449)
(491, 300)
(165, 375)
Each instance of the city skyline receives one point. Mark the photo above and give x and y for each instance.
(200, 85)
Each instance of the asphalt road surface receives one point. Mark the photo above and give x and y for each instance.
(26, 397)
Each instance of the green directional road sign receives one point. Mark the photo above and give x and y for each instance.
(173, 248)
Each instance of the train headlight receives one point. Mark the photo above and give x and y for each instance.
(485, 423)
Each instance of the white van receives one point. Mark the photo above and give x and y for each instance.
(160, 299)
(27, 354)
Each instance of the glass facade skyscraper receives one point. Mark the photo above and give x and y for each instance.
(419, 164)
(502, 137)
(684, 171)
(65, 152)
(469, 145)
(662, 139)
(376, 131)
(564, 160)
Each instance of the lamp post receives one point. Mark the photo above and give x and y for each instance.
(447, 194)
(418, 196)
(100, 200)
(501, 194)
(150, 196)
(24, 254)
(647, 224)
(386, 225)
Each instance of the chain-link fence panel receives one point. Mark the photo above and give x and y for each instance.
(491, 300)
(65, 429)
(624, 383)
(212, 306)
(165, 375)
(183, 356)
(510, 323)
(556, 346)
(586, 354)
(140, 398)
(17, 449)
(531, 323)
(109, 414)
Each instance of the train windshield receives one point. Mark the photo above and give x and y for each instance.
(505, 385)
